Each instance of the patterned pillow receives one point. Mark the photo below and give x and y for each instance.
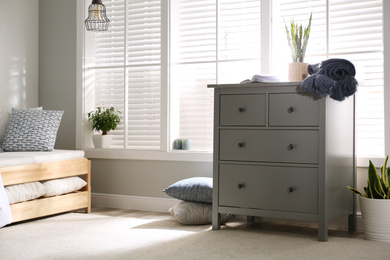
(32, 130)
(4, 121)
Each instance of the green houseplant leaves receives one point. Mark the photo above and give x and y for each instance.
(104, 120)
(297, 39)
(377, 186)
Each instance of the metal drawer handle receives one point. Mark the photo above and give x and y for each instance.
(241, 109)
(241, 144)
(291, 189)
(290, 147)
(241, 186)
(291, 109)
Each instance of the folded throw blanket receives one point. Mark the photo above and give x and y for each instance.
(333, 77)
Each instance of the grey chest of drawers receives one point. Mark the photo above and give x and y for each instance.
(280, 152)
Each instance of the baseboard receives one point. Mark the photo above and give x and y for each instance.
(155, 204)
(132, 202)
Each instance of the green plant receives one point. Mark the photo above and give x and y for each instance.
(298, 40)
(377, 187)
(104, 120)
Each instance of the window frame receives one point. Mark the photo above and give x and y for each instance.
(165, 153)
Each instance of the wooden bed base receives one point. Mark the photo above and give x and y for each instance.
(48, 171)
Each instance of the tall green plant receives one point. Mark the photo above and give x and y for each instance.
(377, 186)
(297, 39)
(104, 120)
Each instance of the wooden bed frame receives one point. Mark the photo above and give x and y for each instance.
(47, 171)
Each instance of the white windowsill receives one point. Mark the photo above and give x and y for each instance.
(182, 155)
(175, 155)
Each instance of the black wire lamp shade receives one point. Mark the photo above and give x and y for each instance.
(97, 19)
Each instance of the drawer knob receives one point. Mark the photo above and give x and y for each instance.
(241, 109)
(291, 189)
(291, 109)
(290, 147)
(241, 186)
(241, 144)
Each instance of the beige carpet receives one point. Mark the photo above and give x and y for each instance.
(94, 236)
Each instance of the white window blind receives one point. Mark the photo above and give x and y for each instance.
(123, 70)
(212, 42)
(349, 29)
(219, 41)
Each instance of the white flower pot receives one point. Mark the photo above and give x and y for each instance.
(297, 71)
(376, 219)
(102, 141)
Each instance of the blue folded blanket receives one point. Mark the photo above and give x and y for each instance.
(333, 77)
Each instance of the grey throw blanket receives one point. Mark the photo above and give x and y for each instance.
(333, 77)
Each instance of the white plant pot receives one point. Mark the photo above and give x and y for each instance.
(102, 141)
(376, 219)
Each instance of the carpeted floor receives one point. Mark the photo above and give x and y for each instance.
(143, 235)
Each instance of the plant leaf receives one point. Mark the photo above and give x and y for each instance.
(294, 40)
(374, 182)
(384, 173)
(306, 37)
(367, 192)
(355, 191)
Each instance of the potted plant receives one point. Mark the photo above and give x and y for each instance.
(103, 120)
(375, 203)
(297, 39)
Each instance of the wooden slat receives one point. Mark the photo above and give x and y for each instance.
(44, 171)
(47, 171)
(48, 206)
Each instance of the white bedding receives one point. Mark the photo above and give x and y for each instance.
(5, 210)
(21, 158)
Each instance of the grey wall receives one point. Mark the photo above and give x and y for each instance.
(142, 178)
(18, 56)
(57, 65)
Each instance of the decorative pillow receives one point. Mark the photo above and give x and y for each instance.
(195, 213)
(198, 189)
(62, 186)
(32, 130)
(4, 120)
(25, 191)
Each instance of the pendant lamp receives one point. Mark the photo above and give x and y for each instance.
(97, 19)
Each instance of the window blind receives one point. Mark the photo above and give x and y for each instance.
(125, 70)
(212, 42)
(349, 29)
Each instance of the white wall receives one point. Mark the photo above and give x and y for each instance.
(18, 57)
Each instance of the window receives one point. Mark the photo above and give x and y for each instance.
(156, 59)
(123, 71)
(349, 29)
(212, 42)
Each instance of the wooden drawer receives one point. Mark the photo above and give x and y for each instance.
(293, 110)
(243, 110)
(289, 146)
(290, 189)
